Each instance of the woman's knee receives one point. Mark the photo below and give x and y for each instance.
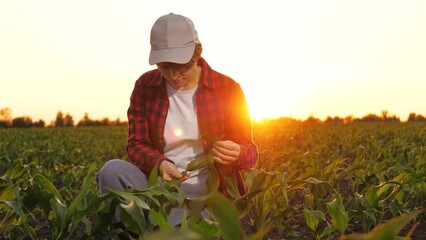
(119, 174)
(109, 168)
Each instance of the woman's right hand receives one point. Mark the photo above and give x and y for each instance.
(170, 171)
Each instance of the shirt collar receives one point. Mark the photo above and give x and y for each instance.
(207, 73)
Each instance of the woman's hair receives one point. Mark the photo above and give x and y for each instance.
(197, 53)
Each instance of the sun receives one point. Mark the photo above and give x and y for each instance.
(286, 99)
(275, 101)
(262, 108)
(257, 114)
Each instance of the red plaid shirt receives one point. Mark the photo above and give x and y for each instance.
(222, 112)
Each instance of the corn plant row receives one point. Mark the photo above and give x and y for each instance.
(313, 181)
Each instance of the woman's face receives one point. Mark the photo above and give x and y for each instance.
(180, 76)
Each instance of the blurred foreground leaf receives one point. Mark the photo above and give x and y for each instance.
(388, 230)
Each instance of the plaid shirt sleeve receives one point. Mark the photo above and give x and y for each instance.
(238, 128)
(223, 113)
(141, 149)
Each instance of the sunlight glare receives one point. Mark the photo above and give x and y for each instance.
(178, 132)
(262, 110)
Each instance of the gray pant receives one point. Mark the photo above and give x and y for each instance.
(119, 175)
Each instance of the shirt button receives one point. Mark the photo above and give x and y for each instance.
(164, 113)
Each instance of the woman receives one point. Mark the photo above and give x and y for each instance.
(180, 111)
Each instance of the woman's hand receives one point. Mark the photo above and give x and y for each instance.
(226, 152)
(171, 172)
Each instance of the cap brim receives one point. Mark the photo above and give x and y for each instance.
(174, 55)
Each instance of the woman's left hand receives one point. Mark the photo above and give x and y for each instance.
(226, 152)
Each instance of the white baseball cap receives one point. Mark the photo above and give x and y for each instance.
(173, 39)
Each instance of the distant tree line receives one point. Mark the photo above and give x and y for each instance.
(61, 120)
(385, 117)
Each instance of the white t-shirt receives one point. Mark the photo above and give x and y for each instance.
(182, 139)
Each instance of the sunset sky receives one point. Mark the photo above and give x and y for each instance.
(292, 58)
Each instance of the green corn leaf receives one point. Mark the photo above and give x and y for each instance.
(95, 204)
(207, 228)
(249, 176)
(16, 207)
(149, 197)
(210, 157)
(153, 177)
(87, 225)
(226, 215)
(20, 223)
(370, 215)
(196, 206)
(197, 163)
(259, 234)
(40, 198)
(161, 191)
(173, 187)
(131, 197)
(106, 213)
(371, 197)
(80, 196)
(73, 217)
(241, 202)
(184, 224)
(391, 228)
(312, 218)
(383, 188)
(16, 172)
(296, 186)
(309, 198)
(47, 185)
(133, 217)
(232, 186)
(212, 181)
(338, 215)
(160, 220)
(327, 231)
(314, 180)
(359, 199)
(258, 180)
(174, 234)
(387, 230)
(61, 217)
(8, 194)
